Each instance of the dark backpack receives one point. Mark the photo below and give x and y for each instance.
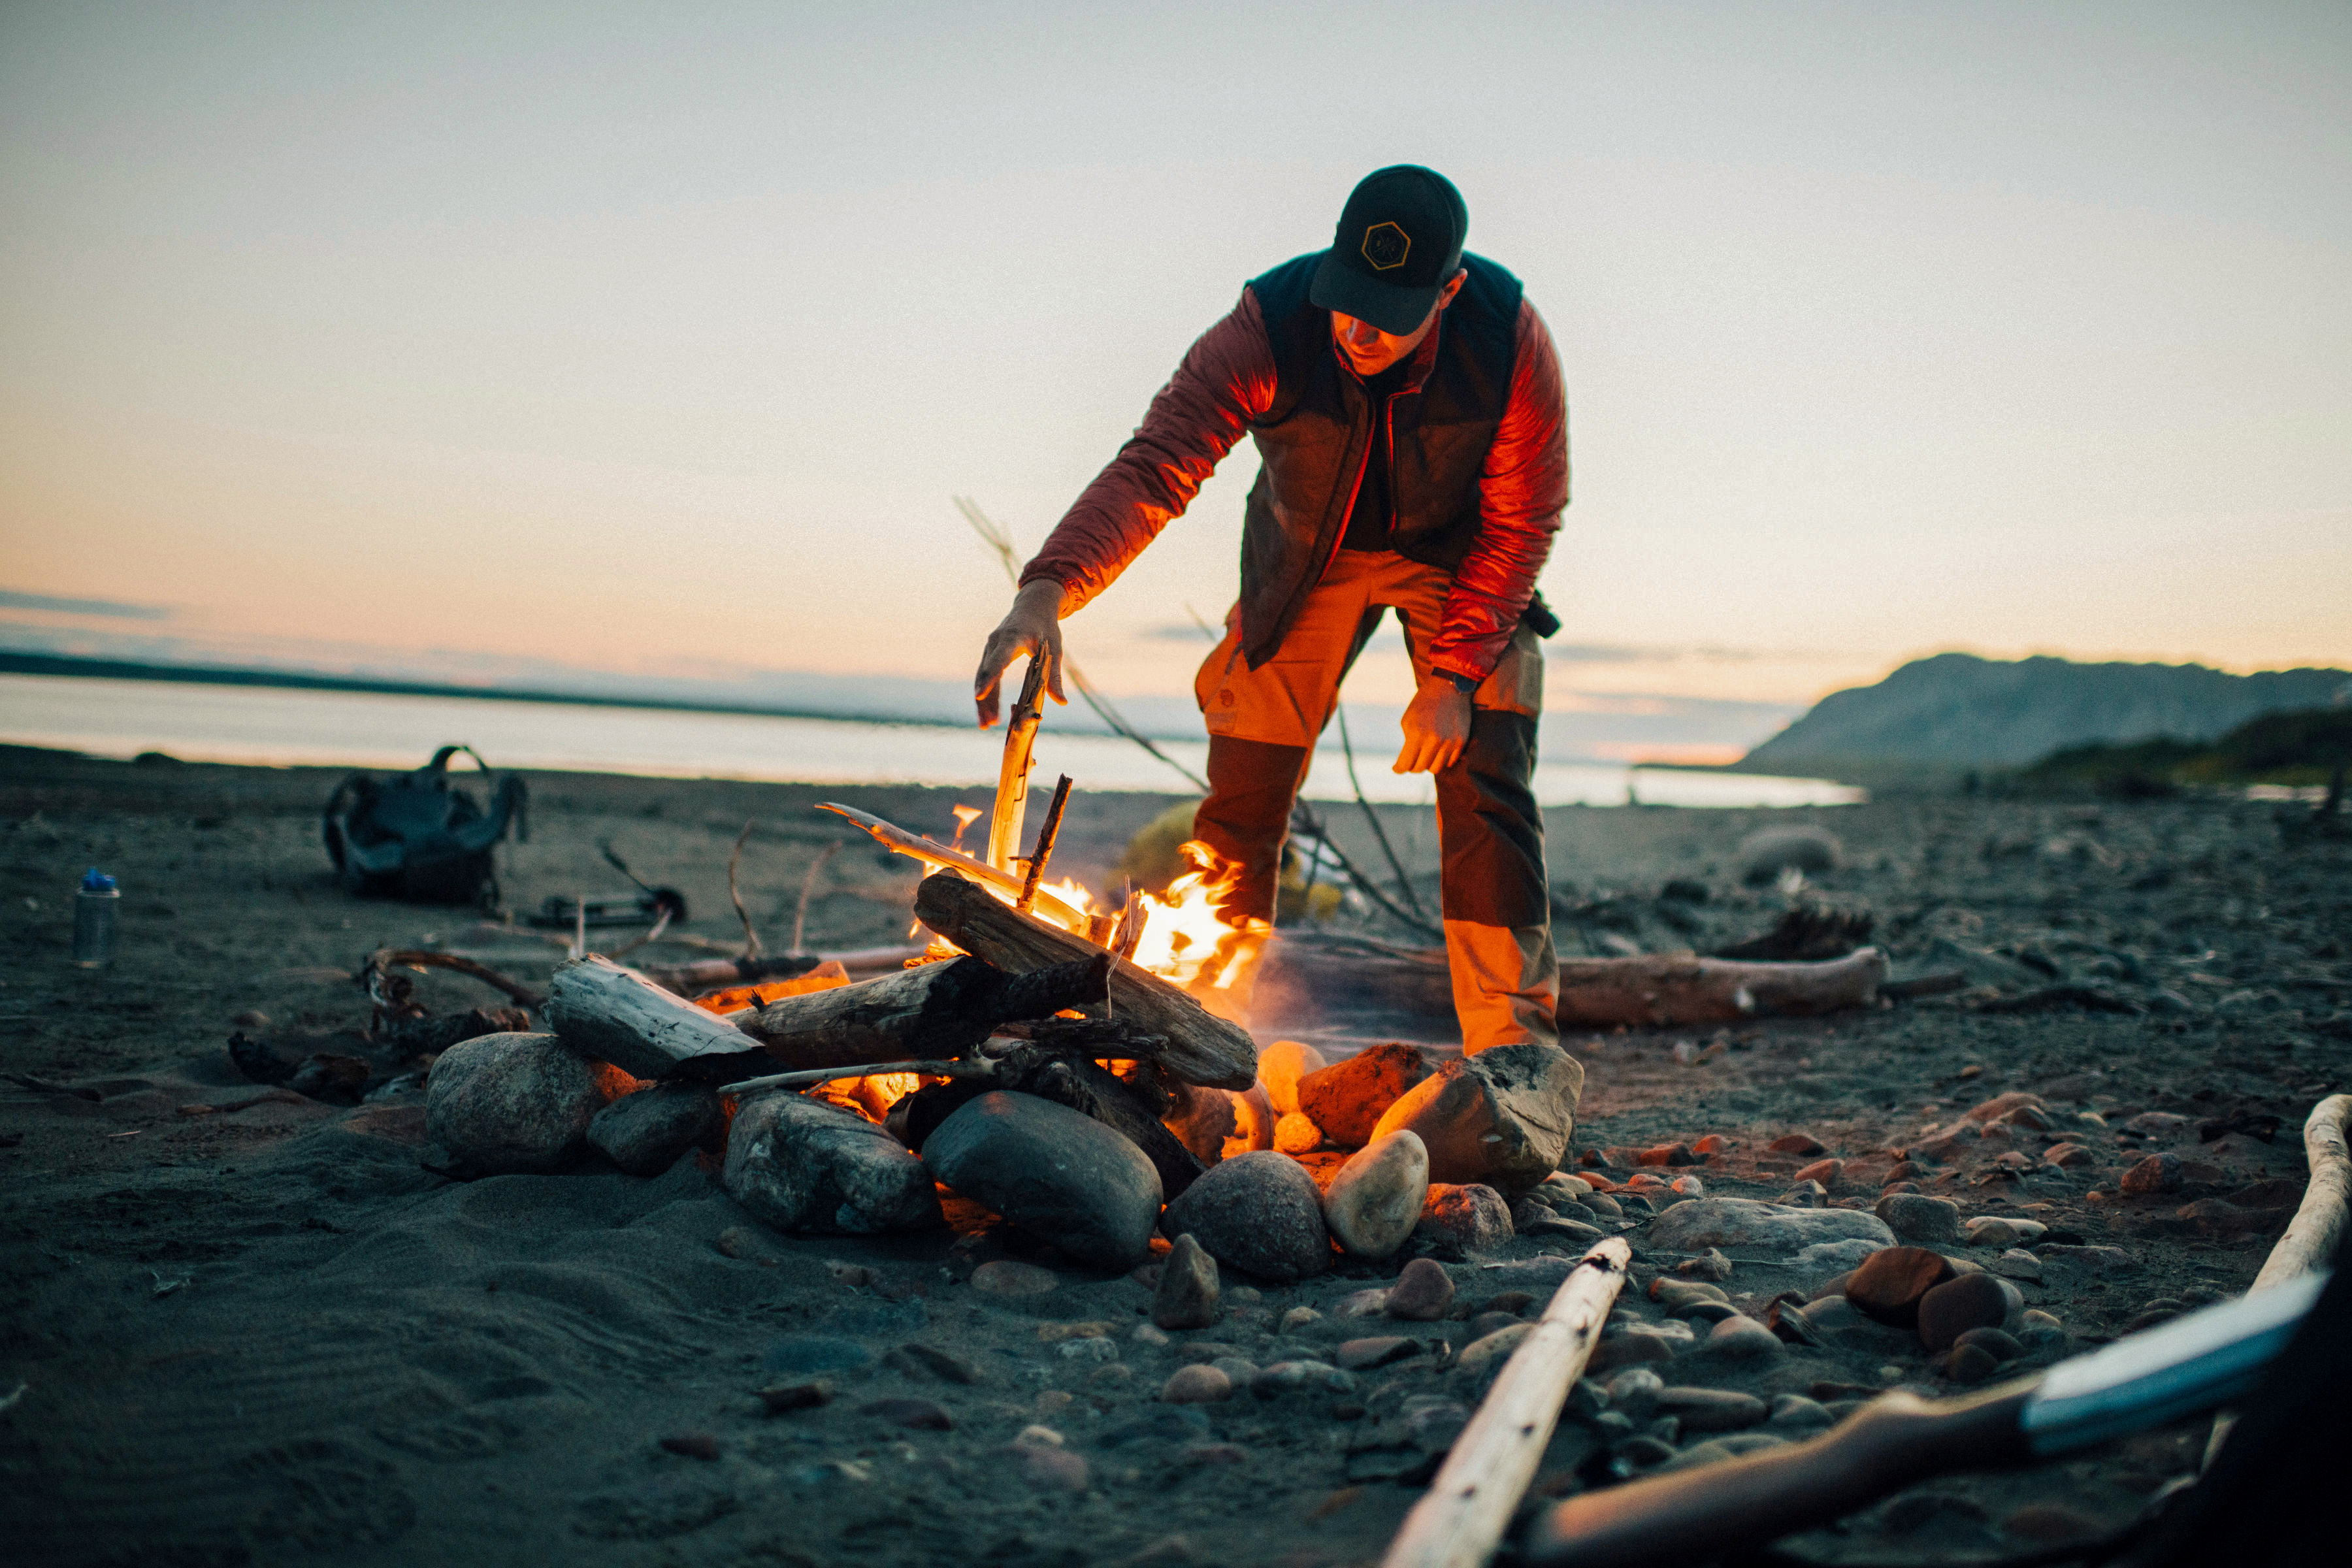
(413, 836)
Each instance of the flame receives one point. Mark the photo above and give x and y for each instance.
(1188, 939)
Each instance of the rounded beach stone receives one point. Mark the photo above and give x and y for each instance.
(1188, 1294)
(1488, 1349)
(1257, 1212)
(1201, 1119)
(1376, 1197)
(1503, 1118)
(1053, 1171)
(1199, 1384)
(1633, 1393)
(504, 1104)
(1744, 1339)
(1253, 1117)
(2156, 1173)
(1769, 851)
(1296, 1135)
(1348, 1098)
(1634, 1347)
(1424, 1293)
(1284, 1377)
(1971, 1301)
(802, 1164)
(1825, 1172)
(1745, 1223)
(1890, 1283)
(647, 1132)
(1917, 1217)
(2001, 1346)
(1463, 1221)
(1280, 1067)
(1710, 1409)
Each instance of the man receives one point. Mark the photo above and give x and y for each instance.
(1408, 410)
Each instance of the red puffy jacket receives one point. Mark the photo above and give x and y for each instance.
(1227, 381)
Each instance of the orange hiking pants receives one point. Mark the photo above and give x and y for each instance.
(1263, 726)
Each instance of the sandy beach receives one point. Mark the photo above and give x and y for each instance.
(271, 1336)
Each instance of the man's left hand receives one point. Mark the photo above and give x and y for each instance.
(1437, 727)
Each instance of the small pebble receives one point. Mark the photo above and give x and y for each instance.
(1299, 1317)
(1713, 1144)
(737, 1241)
(1110, 1374)
(1710, 1409)
(2018, 1264)
(920, 1414)
(1051, 1468)
(1197, 1385)
(787, 1397)
(1148, 1334)
(1633, 1393)
(1794, 1411)
(1891, 1283)
(1971, 1301)
(1357, 1355)
(1804, 1195)
(1824, 1172)
(1799, 1143)
(1918, 1218)
(2067, 1156)
(1188, 1295)
(1423, 1294)
(1674, 1294)
(692, 1445)
(1052, 1402)
(1709, 1266)
(1007, 1278)
(2156, 1173)
(1296, 1135)
(1095, 1350)
(1743, 1338)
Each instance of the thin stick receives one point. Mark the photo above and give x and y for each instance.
(661, 924)
(1301, 815)
(1460, 1519)
(750, 938)
(371, 973)
(1044, 850)
(810, 1076)
(1404, 883)
(932, 852)
(808, 886)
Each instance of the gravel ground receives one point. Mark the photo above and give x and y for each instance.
(268, 1335)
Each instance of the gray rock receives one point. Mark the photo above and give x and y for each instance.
(1188, 1293)
(1286, 1377)
(1836, 1257)
(1710, 1409)
(647, 1132)
(1463, 1221)
(1917, 1217)
(1635, 1392)
(1769, 851)
(1743, 1339)
(1423, 1294)
(1501, 1119)
(1053, 1171)
(501, 1104)
(1257, 1212)
(800, 1164)
(1703, 1223)
(1375, 1198)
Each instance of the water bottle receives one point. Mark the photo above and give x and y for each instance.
(97, 903)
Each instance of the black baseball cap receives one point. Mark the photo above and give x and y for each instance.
(1400, 238)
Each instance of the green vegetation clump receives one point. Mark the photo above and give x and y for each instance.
(2302, 748)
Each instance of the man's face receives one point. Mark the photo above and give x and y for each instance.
(1369, 350)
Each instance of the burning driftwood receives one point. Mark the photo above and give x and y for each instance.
(1679, 988)
(1195, 1044)
(932, 1010)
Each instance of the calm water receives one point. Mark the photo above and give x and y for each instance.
(359, 728)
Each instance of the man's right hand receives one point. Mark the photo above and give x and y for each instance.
(1031, 626)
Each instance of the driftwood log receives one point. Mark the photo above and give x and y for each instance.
(615, 1015)
(1195, 1045)
(1312, 977)
(932, 1010)
(1671, 989)
(1461, 1516)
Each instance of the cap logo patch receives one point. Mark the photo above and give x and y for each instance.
(1386, 245)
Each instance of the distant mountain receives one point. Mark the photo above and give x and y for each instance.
(1958, 711)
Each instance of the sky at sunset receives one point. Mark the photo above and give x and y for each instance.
(654, 339)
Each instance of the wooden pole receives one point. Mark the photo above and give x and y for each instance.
(1460, 1519)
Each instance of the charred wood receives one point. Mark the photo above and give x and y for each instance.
(934, 1010)
(1199, 1046)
